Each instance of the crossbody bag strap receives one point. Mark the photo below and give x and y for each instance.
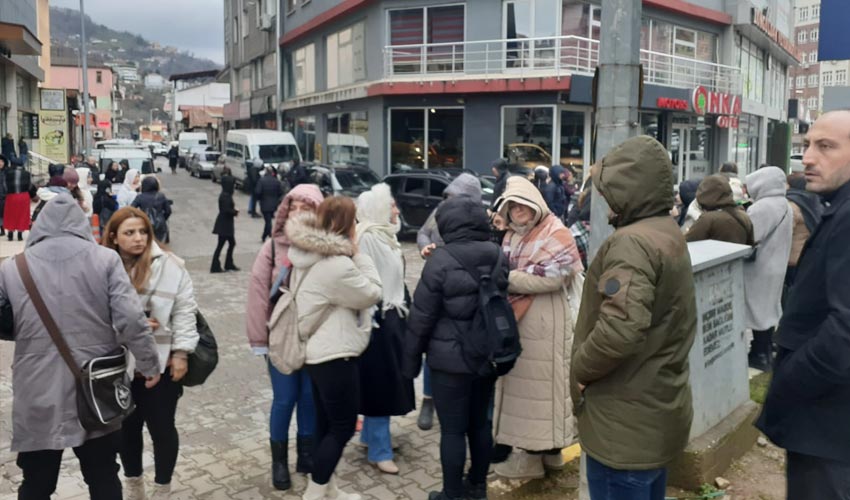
(775, 227)
(46, 317)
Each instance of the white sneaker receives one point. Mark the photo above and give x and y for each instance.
(521, 465)
(315, 491)
(334, 493)
(161, 492)
(134, 488)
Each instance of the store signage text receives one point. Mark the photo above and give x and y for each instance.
(763, 23)
(727, 122)
(715, 103)
(670, 103)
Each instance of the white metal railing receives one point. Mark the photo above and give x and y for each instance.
(38, 164)
(549, 56)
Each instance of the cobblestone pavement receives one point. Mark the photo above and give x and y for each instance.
(224, 424)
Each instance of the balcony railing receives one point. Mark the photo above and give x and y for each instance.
(544, 57)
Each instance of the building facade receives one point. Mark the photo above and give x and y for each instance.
(20, 69)
(440, 83)
(65, 74)
(250, 51)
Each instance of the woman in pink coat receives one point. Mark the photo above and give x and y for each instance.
(271, 269)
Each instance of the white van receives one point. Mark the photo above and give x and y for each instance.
(188, 140)
(276, 149)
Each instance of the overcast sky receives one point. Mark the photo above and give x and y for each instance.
(193, 25)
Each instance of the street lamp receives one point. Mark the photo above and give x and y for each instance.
(150, 114)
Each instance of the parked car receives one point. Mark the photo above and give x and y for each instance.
(418, 192)
(159, 149)
(187, 140)
(202, 161)
(796, 164)
(527, 155)
(342, 180)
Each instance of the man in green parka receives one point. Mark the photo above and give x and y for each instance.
(629, 373)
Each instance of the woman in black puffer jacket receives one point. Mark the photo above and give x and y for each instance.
(444, 306)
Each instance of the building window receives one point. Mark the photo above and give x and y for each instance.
(801, 81)
(245, 81)
(531, 19)
(802, 36)
(245, 26)
(303, 71)
(827, 78)
(812, 103)
(813, 80)
(431, 25)
(346, 61)
(348, 138)
(426, 138)
(791, 82)
(813, 56)
(841, 77)
(813, 35)
(803, 14)
(257, 74)
(815, 12)
(291, 5)
(752, 70)
(528, 135)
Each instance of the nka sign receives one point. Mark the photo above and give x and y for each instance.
(717, 103)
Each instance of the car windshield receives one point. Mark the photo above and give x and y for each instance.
(275, 153)
(208, 155)
(356, 179)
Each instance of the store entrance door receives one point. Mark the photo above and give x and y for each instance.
(689, 151)
(678, 147)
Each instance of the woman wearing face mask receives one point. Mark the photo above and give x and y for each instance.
(129, 189)
(270, 271)
(165, 290)
(337, 285)
(543, 260)
(385, 392)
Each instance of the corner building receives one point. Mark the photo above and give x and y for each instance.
(446, 84)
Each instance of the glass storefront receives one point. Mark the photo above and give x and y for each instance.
(745, 147)
(527, 135)
(348, 138)
(304, 130)
(426, 138)
(572, 141)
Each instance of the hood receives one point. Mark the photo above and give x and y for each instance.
(521, 190)
(130, 178)
(104, 187)
(555, 172)
(375, 205)
(462, 219)
(766, 182)
(636, 179)
(83, 173)
(50, 192)
(465, 185)
(715, 192)
(55, 169)
(308, 193)
(228, 184)
(309, 244)
(150, 185)
(61, 216)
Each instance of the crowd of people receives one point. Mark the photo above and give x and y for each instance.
(604, 343)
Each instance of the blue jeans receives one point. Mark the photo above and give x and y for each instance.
(376, 435)
(289, 391)
(606, 483)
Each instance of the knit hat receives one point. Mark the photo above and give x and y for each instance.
(71, 176)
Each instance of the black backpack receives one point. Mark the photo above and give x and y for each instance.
(160, 225)
(491, 346)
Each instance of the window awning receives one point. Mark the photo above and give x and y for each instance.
(18, 40)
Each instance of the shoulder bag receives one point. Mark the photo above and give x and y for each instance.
(754, 254)
(104, 398)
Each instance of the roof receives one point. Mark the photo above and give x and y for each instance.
(209, 73)
(17, 39)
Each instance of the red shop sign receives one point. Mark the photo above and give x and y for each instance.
(715, 103)
(727, 122)
(670, 103)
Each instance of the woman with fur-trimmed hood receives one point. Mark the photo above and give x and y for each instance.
(534, 411)
(335, 286)
(385, 392)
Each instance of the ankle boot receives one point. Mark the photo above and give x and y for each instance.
(521, 465)
(11, 235)
(761, 350)
(20, 236)
(134, 488)
(304, 445)
(426, 414)
(280, 465)
(216, 267)
(334, 493)
(315, 491)
(230, 266)
(474, 491)
(161, 492)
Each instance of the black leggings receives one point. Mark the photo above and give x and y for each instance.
(97, 463)
(231, 244)
(156, 408)
(267, 228)
(336, 394)
(462, 403)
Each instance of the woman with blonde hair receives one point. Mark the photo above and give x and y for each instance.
(165, 289)
(336, 286)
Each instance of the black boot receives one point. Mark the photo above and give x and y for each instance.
(20, 236)
(304, 445)
(440, 495)
(501, 452)
(230, 266)
(11, 235)
(216, 267)
(280, 465)
(761, 351)
(474, 491)
(426, 414)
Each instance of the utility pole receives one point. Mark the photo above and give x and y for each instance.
(617, 105)
(84, 57)
(174, 110)
(278, 112)
(617, 96)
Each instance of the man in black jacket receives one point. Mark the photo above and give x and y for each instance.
(268, 193)
(807, 410)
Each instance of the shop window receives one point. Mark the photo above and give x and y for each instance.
(304, 130)
(426, 138)
(427, 25)
(527, 135)
(346, 57)
(348, 136)
(745, 150)
(572, 141)
(526, 19)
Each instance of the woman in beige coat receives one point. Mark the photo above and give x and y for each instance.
(533, 405)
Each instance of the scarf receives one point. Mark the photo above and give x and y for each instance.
(548, 250)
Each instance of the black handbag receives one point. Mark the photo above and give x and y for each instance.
(7, 322)
(104, 398)
(203, 361)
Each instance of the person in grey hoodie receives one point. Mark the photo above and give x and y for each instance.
(62, 255)
(773, 221)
